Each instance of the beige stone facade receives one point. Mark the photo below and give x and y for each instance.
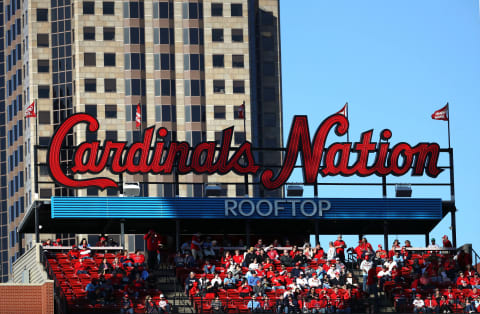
(190, 64)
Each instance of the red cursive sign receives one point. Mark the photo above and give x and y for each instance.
(155, 157)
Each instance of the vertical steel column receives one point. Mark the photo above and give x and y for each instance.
(177, 235)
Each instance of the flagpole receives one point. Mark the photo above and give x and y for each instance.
(36, 145)
(448, 124)
(348, 136)
(245, 131)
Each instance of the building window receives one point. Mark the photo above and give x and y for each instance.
(134, 35)
(217, 35)
(218, 61)
(109, 33)
(163, 36)
(91, 110)
(108, 8)
(111, 136)
(89, 33)
(90, 85)
(192, 36)
(165, 87)
(217, 9)
(237, 35)
(192, 10)
(237, 61)
(110, 85)
(164, 61)
(134, 61)
(219, 112)
(133, 9)
(43, 117)
(269, 94)
(109, 59)
(111, 111)
(193, 61)
(42, 40)
(165, 113)
(90, 59)
(43, 66)
(236, 9)
(88, 7)
(238, 87)
(219, 86)
(194, 113)
(163, 10)
(239, 138)
(135, 87)
(92, 191)
(42, 15)
(268, 69)
(43, 91)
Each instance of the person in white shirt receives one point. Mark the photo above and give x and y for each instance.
(217, 281)
(331, 251)
(390, 263)
(383, 275)
(365, 267)
(418, 304)
(302, 281)
(433, 245)
(314, 282)
(253, 265)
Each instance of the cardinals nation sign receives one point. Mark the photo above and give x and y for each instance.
(156, 157)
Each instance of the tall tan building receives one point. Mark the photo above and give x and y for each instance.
(190, 64)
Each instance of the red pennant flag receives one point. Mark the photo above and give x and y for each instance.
(30, 111)
(241, 111)
(343, 111)
(441, 114)
(138, 117)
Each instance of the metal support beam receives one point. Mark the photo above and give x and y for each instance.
(385, 236)
(37, 223)
(454, 228)
(122, 233)
(247, 232)
(317, 236)
(384, 186)
(177, 235)
(360, 236)
(427, 239)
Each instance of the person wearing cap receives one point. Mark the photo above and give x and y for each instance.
(433, 244)
(418, 304)
(126, 305)
(365, 266)
(253, 279)
(446, 242)
(381, 252)
(163, 305)
(314, 281)
(153, 240)
(340, 246)
(301, 281)
(190, 281)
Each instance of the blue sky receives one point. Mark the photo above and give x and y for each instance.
(395, 62)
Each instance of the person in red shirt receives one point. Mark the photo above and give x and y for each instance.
(318, 253)
(382, 252)
(138, 258)
(340, 246)
(80, 267)
(475, 281)
(272, 252)
(74, 253)
(446, 242)
(259, 244)
(238, 258)
(244, 290)
(153, 240)
(226, 260)
(195, 247)
(395, 246)
(431, 304)
(58, 243)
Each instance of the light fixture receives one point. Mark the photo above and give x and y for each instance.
(403, 190)
(131, 189)
(295, 190)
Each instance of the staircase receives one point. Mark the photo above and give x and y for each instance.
(383, 303)
(173, 290)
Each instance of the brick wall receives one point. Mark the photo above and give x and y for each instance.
(30, 298)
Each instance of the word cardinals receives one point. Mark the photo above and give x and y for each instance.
(158, 157)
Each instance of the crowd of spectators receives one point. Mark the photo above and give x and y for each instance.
(123, 281)
(309, 279)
